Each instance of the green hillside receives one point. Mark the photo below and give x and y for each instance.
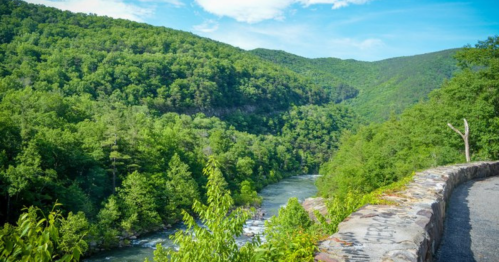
(165, 69)
(380, 154)
(110, 129)
(379, 88)
(115, 120)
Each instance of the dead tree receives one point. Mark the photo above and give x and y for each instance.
(465, 138)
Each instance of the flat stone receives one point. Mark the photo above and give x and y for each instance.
(324, 257)
(316, 203)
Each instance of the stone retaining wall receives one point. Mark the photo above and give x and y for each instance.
(408, 231)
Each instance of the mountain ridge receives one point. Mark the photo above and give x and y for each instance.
(406, 79)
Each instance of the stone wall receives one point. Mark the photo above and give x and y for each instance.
(412, 229)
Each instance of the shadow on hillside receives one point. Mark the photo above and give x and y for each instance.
(456, 241)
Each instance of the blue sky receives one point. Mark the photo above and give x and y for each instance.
(367, 30)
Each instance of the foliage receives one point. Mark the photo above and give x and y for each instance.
(288, 235)
(290, 217)
(139, 209)
(335, 87)
(108, 225)
(315, 131)
(248, 196)
(215, 242)
(181, 187)
(373, 89)
(380, 154)
(51, 238)
(116, 119)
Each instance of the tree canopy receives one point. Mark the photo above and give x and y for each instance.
(379, 154)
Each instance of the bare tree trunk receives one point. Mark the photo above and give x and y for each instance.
(465, 138)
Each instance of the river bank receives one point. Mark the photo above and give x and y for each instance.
(274, 196)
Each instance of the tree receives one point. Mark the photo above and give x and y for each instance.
(115, 135)
(465, 138)
(181, 187)
(139, 207)
(50, 238)
(288, 235)
(292, 217)
(108, 222)
(215, 242)
(248, 195)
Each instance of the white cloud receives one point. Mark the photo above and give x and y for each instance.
(244, 41)
(368, 49)
(283, 33)
(253, 11)
(250, 11)
(112, 8)
(207, 26)
(336, 3)
(370, 43)
(176, 3)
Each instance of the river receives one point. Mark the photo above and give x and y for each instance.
(274, 196)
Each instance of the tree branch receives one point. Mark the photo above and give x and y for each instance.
(465, 138)
(455, 129)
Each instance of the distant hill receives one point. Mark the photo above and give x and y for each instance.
(165, 69)
(383, 87)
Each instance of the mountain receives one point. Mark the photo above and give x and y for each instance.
(167, 70)
(116, 119)
(377, 88)
(419, 138)
(120, 123)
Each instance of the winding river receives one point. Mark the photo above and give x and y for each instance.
(274, 196)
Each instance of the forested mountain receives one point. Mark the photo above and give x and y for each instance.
(139, 64)
(116, 119)
(378, 88)
(380, 154)
(375, 160)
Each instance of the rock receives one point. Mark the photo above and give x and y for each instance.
(317, 203)
(258, 215)
(249, 234)
(324, 257)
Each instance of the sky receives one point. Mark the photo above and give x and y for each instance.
(367, 30)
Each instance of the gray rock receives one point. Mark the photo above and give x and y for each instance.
(312, 204)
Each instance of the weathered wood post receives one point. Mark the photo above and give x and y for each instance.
(465, 138)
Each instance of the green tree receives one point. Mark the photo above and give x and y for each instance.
(248, 196)
(51, 238)
(288, 235)
(215, 242)
(292, 217)
(181, 187)
(380, 154)
(139, 208)
(108, 223)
